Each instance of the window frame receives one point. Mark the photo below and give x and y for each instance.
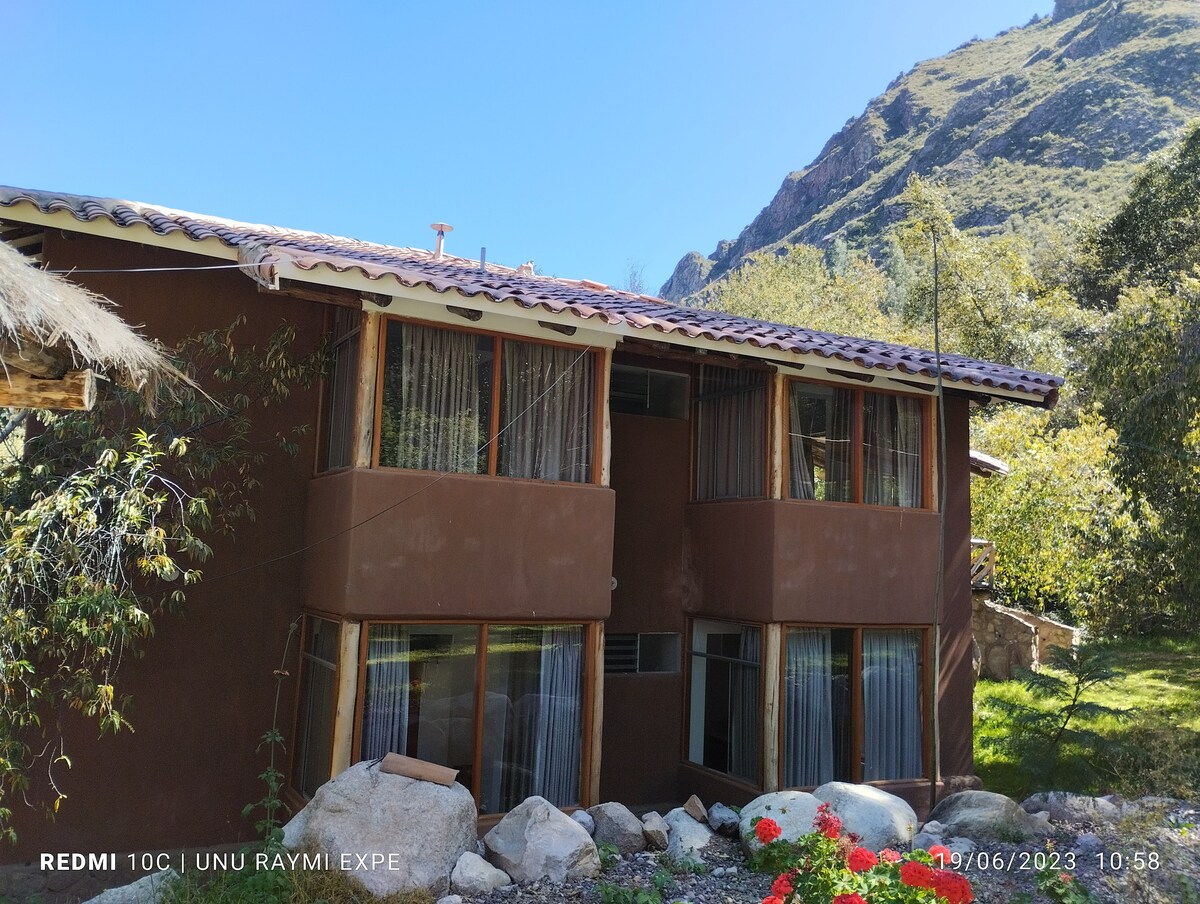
(348, 342)
(858, 728)
(303, 657)
(599, 403)
(695, 398)
(591, 633)
(858, 446)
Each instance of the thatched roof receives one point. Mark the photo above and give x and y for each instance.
(49, 326)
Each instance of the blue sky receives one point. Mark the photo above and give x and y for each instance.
(591, 138)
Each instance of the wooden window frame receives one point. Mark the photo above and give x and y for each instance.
(301, 670)
(498, 339)
(351, 338)
(858, 727)
(589, 759)
(858, 446)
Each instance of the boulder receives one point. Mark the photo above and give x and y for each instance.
(656, 831)
(582, 817)
(475, 876)
(617, 826)
(536, 840)
(695, 809)
(793, 810)
(878, 818)
(411, 832)
(146, 890)
(450, 899)
(1063, 806)
(688, 838)
(723, 820)
(982, 815)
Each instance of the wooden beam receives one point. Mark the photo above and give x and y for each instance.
(772, 681)
(346, 706)
(32, 357)
(592, 743)
(74, 392)
(369, 373)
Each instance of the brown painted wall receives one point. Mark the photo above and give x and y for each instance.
(204, 692)
(457, 546)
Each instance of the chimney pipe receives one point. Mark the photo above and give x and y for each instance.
(442, 229)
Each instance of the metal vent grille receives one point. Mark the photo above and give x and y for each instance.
(620, 653)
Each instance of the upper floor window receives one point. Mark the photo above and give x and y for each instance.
(340, 385)
(849, 445)
(475, 404)
(730, 433)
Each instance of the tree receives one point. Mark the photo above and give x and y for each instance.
(102, 526)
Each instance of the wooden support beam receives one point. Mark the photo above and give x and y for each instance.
(74, 392)
(592, 743)
(32, 357)
(346, 707)
(368, 378)
(772, 682)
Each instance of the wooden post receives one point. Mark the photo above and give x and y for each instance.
(74, 392)
(605, 437)
(346, 708)
(368, 374)
(772, 680)
(778, 437)
(591, 759)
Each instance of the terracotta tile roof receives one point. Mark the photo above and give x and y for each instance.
(261, 249)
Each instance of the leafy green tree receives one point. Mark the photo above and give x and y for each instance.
(103, 520)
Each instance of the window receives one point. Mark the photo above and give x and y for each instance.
(730, 432)
(474, 404)
(645, 653)
(426, 686)
(849, 445)
(314, 720)
(340, 389)
(840, 679)
(725, 720)
(653, 393)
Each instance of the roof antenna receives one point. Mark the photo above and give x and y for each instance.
(442, 229)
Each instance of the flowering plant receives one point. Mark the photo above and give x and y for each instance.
(828, 866)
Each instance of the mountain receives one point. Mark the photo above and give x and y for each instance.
(1034, 128)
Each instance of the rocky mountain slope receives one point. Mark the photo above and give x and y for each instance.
(1031, 129)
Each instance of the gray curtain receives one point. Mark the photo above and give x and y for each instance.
(744, 707)
(547, 403)
(808, 708)
(386, 703)
(892, 746)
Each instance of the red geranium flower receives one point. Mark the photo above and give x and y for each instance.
(772, 899)
(952, 886)
(826, 823)
(916, 874)
(861, 860)
(781, 887)
(855, 898)
(767, 830)
(940, 854)
(887, 855)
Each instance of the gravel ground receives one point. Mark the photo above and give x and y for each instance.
(1151, 856)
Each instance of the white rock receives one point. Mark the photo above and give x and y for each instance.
(419, 828)
(960, 846)
(450, 899)
(536, 840)
(793, 810)
(982, 815)
(688, 838)
(616, 825)
(475, 876)
(584, 819)
(933, 827)
(656, 831)
(1063, 806)
(723, 820)
(880, 819)
(146, 890)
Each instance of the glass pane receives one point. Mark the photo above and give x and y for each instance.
(547, 401)
(894, 470)
(532, 715)
(419, 698)
(730, 433)
(819, 445)
(314, 725)
(725, 718)
(341, 384)
(437, 396)
(817, 699)
(892, 731)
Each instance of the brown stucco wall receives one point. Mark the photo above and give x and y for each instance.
(203, 694)
(457, 546)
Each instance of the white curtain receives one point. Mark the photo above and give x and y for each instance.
(559, 728)
(385, 708)
(892, 705)
(892, 434)
(439, 417)
(731, 412)
(801, 465)
(547, 396)
(908, 451)
(744, 707)
(808, 708)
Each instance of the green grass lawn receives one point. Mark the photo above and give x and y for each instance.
(1156, 750)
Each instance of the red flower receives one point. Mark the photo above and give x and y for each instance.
(887, 855)
(916, 874)
(861, 860)
(826, 823)
(940, 854)
(781, 887)
(952, 886)
(772, 899)
(855, 898)
(767, 830)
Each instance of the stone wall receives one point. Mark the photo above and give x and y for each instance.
(1011, 639)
